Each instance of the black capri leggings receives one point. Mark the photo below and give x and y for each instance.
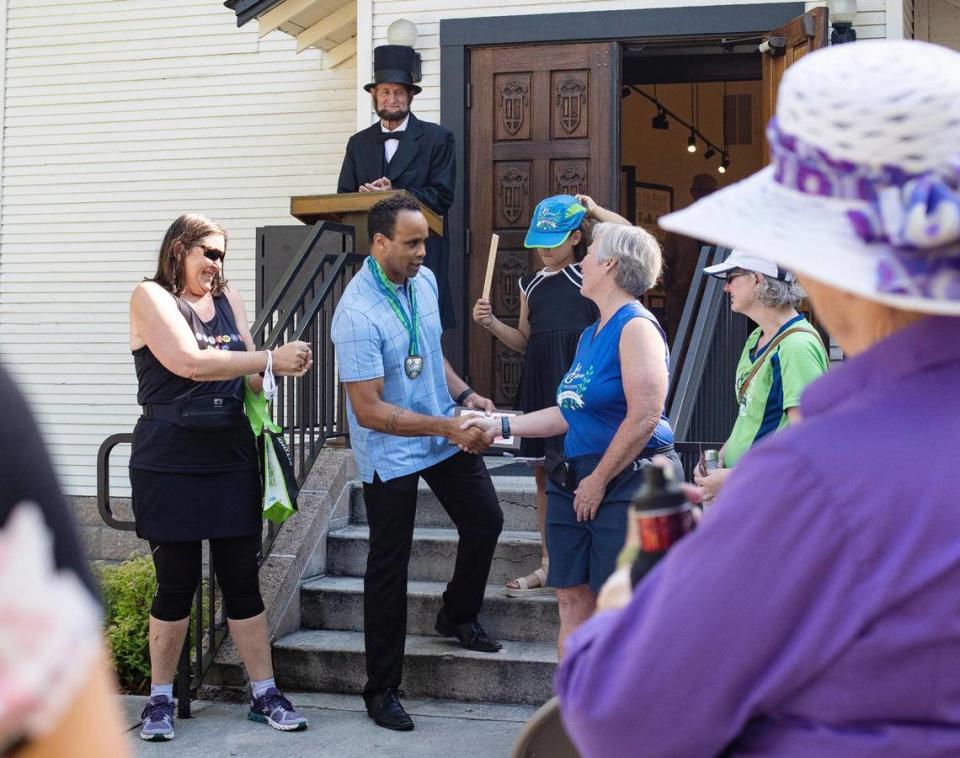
(178, 566)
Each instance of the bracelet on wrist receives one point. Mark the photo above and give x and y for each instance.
(505, 427)
(464, 395)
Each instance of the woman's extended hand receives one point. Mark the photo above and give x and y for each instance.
(487, 424)
(469, 437)
(483, 312)
(292, 359)
(588, 497)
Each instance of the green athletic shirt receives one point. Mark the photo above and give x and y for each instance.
(777, 386)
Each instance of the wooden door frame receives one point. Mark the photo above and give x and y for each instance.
(457, 36)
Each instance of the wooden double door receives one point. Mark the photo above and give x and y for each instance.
(543, 120)
(540, 125)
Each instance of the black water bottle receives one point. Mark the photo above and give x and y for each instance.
(658, 517)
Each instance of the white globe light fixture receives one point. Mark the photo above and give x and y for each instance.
(402, 32)
(842, 13)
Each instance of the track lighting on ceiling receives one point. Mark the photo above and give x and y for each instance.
(662, 120)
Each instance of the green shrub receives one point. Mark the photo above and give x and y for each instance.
(127, 590)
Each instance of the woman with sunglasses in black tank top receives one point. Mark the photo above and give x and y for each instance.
(193, 464)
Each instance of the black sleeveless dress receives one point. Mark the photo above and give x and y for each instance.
(191, 484)
(557, 314)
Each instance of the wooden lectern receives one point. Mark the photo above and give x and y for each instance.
(351, 208)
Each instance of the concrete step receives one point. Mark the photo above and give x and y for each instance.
(433, 554)
(333, 661)
(516, 494)
(336, 602)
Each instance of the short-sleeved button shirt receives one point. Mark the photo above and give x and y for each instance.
(371, 343)
(795, 362)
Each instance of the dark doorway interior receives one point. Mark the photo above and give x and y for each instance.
(691, 123)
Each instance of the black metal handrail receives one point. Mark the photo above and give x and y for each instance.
(311, 410)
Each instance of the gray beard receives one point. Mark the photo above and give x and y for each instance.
(386, 115)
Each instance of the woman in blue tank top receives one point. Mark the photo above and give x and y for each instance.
(610, 404)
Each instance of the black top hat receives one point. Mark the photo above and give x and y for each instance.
(394, 64)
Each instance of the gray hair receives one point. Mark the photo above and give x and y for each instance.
(776, 293)
(636, 252)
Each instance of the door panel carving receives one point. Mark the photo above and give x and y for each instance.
(570, 177)
(513, 106)
(513, 194)
(506, 289)
(570, 114)
(509, 366)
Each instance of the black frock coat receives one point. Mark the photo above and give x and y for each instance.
(425, 166)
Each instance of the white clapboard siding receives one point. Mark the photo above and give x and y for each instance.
(426, 14)
(119, 116)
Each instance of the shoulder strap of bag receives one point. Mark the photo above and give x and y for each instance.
(769, 351)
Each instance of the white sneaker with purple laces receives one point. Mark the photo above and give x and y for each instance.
(274, 709)
(157, 719)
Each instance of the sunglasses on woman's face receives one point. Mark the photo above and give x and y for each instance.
(212, 253)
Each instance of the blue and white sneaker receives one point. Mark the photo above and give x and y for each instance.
(274, 709)
(157, 719)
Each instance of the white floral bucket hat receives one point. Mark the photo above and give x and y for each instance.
(863, 190)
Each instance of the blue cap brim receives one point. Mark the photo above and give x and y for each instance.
(546, 240)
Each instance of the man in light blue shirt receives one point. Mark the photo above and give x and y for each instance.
(401, 394)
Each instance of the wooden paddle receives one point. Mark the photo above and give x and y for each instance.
(491, 265)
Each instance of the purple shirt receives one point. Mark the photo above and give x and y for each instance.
(816, 609)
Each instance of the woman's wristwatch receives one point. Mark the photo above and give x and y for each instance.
(467, 392)
(504, 427)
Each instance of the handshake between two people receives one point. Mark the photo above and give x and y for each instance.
(474, 434)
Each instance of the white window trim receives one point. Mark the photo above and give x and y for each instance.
(364, 61)
(894, 19)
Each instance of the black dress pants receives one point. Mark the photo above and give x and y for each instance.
(463, 487)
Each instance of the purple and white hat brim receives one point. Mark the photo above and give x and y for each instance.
(805, 233)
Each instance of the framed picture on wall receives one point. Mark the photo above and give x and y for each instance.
(652, 202)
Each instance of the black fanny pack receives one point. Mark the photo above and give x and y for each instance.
(208, 412)
(561, 473)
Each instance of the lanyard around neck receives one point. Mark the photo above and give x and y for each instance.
(412, 322)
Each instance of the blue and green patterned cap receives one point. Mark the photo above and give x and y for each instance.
(553, 220)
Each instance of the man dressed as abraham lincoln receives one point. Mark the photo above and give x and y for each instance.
(402, 152)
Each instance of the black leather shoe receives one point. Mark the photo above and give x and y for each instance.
(385, 709)
(471, 634)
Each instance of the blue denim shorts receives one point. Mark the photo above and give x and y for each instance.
(585, 552)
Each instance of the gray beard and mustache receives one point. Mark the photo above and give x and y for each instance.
(397, 115)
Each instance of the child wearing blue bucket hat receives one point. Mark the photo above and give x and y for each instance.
(552, 316)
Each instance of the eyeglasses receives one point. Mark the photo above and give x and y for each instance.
(212, 253)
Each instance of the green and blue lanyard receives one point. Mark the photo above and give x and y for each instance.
(413, 364)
